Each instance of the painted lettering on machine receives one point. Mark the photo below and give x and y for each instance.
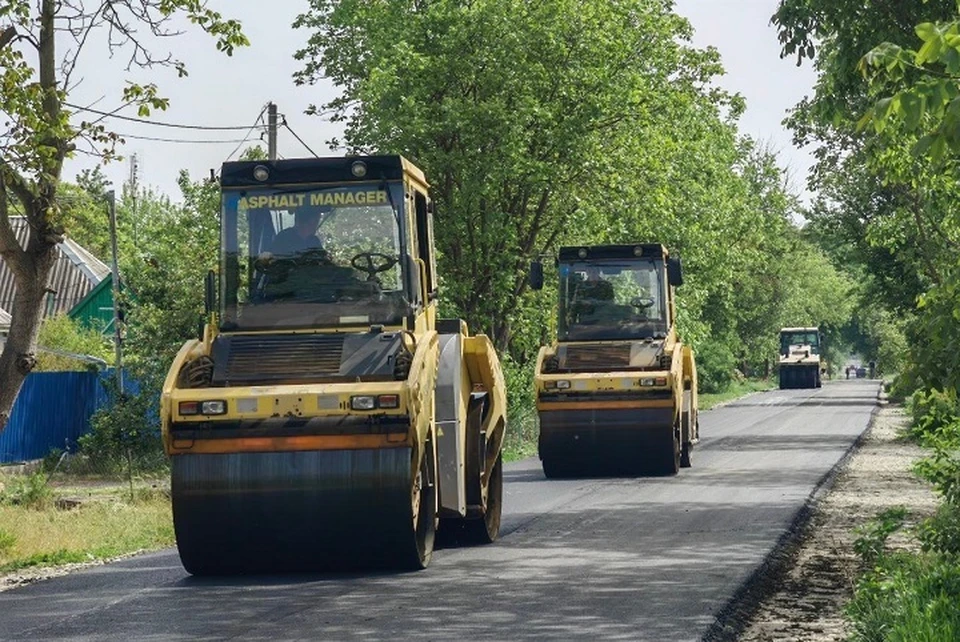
(334, 198)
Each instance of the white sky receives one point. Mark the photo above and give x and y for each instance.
(232, 91)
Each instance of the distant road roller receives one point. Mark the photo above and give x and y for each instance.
(617, 393)
(800, 362)
(326, 419)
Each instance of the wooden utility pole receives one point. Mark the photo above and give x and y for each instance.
(272, 131)
(118, 349)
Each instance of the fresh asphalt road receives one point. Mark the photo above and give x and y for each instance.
(625, 559)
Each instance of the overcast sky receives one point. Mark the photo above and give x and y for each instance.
(232, 91)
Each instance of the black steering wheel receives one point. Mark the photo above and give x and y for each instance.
(372, 263)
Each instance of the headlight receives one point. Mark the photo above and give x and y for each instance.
(213, 407)
(646, 382)
(363, 402)
(563, 384)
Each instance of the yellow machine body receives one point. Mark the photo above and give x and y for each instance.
(326, 420)
(617, 394)
(800, 364)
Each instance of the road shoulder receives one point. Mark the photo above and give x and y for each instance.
(803, 588)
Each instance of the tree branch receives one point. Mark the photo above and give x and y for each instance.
(7, 35)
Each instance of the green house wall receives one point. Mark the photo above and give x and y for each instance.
(96, 309)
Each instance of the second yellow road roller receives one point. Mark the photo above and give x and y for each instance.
(326, 418)
(617, 392)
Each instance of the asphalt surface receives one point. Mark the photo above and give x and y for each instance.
(613, 559)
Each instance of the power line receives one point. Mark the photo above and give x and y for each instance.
(182, 140)
(157, 123)
(250, 131)
(289, 129)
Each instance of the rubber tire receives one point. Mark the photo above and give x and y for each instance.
(425, 534)
(487, 529)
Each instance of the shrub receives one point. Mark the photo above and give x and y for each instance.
(716, 367)
(125, 435)
(31, 491)
(872, 536)
(7, 541)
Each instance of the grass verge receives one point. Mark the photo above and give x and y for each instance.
(106, 523)
(735, 390)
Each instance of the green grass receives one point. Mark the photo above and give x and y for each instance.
(106, 524)
(737, 389)
(908, 598)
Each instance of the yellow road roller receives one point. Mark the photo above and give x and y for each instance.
(617, 392)
(326, 418)
(800, 365)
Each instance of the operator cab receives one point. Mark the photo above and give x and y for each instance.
(799, 339)
(324, 243)
(613, 292)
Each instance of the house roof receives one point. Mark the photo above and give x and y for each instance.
(75, 272)
(4, 320)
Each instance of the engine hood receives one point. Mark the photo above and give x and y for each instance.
(627, 355)
(243, 360)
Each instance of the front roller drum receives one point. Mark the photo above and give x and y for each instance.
(302, 511)
(576, 443)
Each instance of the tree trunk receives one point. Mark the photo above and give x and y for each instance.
(18, 358)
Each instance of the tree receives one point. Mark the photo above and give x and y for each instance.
(519, 112)
(35, 82)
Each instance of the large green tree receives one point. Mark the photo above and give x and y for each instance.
(41, 45)
(523, 115)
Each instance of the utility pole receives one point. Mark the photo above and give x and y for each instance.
(272, 131)
(134, 172)
(118, 350)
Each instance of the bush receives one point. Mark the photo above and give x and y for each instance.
(7, 541)
(125, 435)
(522, 428)
(716, 367)
(907, 598)
(30, 491)
(932, 412)
(941, 533)
(873, 535)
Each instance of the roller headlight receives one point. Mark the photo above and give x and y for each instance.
(218, 407)
(363, 402)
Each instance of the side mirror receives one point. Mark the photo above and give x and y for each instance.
(536, 275)
(210, 292)
(675, 271)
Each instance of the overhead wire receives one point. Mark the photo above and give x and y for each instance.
(258, 121)
(290, 129)
(157, 123)
(182, 140)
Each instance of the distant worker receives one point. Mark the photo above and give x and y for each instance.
(299, 238)
(848, 372)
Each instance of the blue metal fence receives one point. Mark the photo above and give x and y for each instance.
(52, 410)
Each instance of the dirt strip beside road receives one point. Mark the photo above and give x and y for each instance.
(805, 603)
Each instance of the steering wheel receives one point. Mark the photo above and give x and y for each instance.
(372, 263)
